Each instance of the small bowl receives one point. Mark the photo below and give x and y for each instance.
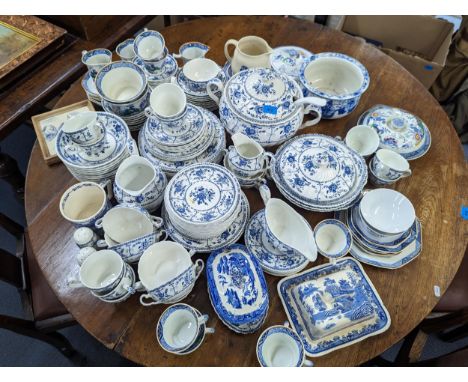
(363, 139)
(387, 211)
(125, 50)
(333, 238)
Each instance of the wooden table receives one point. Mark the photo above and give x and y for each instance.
(437, 188)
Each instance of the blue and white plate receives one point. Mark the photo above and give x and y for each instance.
(318, 172)
(179, 132)
(409, 253)
(112, 146)
(289, 59)
(271, 262)
(398, 130)
(230, 236)
(237, 288)
(213, 153)
(332, 306)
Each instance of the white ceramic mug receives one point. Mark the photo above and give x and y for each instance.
(84, 203)
(249, 52)
(363, 139)
(179, 326)
(389, 165)
(84, 128)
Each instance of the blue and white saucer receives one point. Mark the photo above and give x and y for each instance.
(230, 236)
(271, 262)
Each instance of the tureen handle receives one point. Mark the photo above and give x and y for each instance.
(219, 86)
(160, 234)
(199, 265)
(314, 121)
(157, 221)
(148, 296)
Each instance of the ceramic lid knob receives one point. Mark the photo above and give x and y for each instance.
(83, 235)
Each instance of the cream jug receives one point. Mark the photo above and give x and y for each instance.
(249, 52)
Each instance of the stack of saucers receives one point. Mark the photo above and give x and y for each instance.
(319, 173)
(90, 88)
(204, 208)
(386, 232)
(177, 133)
(124, 90)
(99, 160)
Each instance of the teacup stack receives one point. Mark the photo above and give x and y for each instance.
(386, 232)
(152, 56)
(95, 60)
(177, 133)
(195, 78)
(124, 90)
(202, 200)
(93, 144)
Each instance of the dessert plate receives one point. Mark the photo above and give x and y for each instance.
(332, 306)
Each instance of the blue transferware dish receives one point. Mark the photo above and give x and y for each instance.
(332, 306)
(149, 45)
(213, 154)
(191, 50)
(333, 238)
(167, 69)
(337, 78)
(398, 130)
(131, 111)
(411, 251)
(96, 59)
(289, 60)
(271, 261)
(263, 104)
(229, 236)
(237, 288)
(318, 172)
(89, 86)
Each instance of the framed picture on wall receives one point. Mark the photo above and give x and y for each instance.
(47, 126)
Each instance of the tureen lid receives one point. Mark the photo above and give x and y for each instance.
(237, 286)
(262, 95)
(398, 130)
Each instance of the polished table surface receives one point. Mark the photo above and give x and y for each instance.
(437, 189)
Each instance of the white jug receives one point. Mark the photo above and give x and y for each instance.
(250, 52)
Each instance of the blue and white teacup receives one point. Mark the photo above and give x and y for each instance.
(389, 166)
(333, 238)
(84, 203)
(125, 50)
(200, 72)
(179, 328)
(96, 59)
(155, 66)
(149, 45)
(124, 287)
(191, 50)
(84, 128)
(101, 272)
(280, 346)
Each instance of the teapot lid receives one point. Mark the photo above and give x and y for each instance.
(262, 95)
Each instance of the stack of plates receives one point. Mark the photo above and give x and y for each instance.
(386, 232)
(199, 137)
(203, 204)
(133, 121)
(168, 70)
(100, 161)
(398, 130)
(200, 96)
(90, 88)
(319, 173)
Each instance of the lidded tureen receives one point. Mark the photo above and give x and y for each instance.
(263, 104)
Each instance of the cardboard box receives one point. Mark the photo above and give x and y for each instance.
(419, 43)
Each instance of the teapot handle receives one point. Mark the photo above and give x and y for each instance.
(218, 84)
(226, 48)
(199, 265)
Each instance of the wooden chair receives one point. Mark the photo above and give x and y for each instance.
(44, 312)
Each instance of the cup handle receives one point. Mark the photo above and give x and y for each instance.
(98, 223)
(203, 319)
(107, 184)
(161, 233)
(83, 52)
(308, 363)
(226, 48)
(176, 55)
(74, 283)
(406, 173)
(209, 330)
(148, 112)
(101, 244)
(199, 265)
(147, 296)
(264, 190)
(218, 84)
(157, 221)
